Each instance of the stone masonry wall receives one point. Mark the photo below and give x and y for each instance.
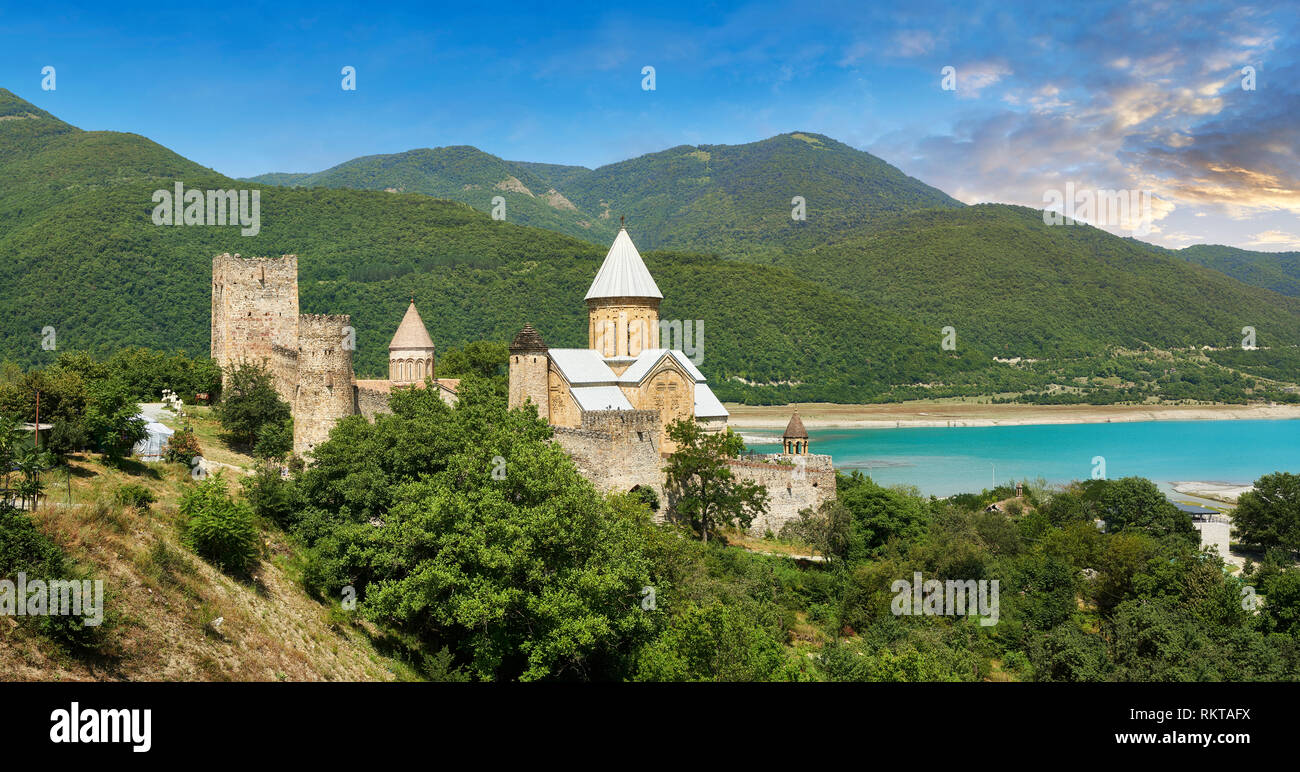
(325, 392)
(284, 371)
(371, 403)
(617, 450)
(791, 487)
(529, 376)
(254, 307)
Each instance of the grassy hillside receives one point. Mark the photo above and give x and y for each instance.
(172, 616)
(467, 175)
(1277, 271)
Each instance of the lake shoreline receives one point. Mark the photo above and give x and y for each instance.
(939, 414)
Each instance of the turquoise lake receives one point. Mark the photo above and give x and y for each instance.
(942, 460)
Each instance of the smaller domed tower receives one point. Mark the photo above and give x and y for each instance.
(795, 438)
(410, 355)
(530, 366)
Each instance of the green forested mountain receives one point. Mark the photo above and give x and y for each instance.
(1017, 287)
(850, 316)
(1278, 271)
(84, 257)
(467, 175)
(735, 200)
(732, 200)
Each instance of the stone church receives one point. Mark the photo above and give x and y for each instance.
(611, 402)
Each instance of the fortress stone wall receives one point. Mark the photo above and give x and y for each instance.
(371, 402)
(255, 320)
(324, 391)
(254, 307)
(617, 450)
(793, 482)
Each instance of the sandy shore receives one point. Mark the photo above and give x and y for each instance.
(1214, 491)
(916, 414)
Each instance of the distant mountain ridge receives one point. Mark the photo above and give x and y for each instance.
(1277, 271)
(733, 200)
(465, 174)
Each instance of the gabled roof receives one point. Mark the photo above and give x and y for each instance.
(648, 358)
(411, 333)
(794, 430)
(707, 405)
(600, 398)
(623, 274)
(582, 367)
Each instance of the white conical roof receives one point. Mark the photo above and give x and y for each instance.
(411, 333)
(623, 274)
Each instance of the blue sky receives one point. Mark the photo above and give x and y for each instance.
(1137, 96)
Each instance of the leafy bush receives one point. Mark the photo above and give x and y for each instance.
(270, 495)
(183, 447)
(250, 405)
(218, 527)
(25, 549)
(134, 496)
(274, 440)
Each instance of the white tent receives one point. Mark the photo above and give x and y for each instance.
(151, 447)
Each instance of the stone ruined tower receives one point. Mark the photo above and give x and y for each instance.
(623, 304)
(254, 308)
(324, 393)
(410, 354)
(530, 366)
(795, 439)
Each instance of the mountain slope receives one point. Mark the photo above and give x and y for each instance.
(1277, 271)
(462, 174)
(735, 200)
(853, 319)
(1017, 287)
(84, 257)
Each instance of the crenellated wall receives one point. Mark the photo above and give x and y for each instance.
(793, 483)
(254, 307)
(617, 450)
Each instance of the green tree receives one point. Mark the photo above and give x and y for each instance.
(485, 358)
(828, 530)
(879, 514)
(702, 490)
(1136, 503)
(468, 529)
(1269, 515)
(112, 419)
(250, 405)
(218, 527)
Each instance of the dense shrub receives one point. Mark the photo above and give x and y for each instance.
(218, 527)
(183, 447)
(134, 496)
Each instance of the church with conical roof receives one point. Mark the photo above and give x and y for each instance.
(626, 367)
